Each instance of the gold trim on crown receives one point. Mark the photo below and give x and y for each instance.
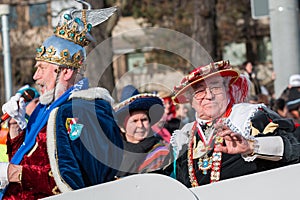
(48, 55)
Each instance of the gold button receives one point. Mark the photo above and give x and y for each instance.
(55, 190)
(50, 173)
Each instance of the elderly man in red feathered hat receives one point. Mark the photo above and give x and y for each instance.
(229, 138)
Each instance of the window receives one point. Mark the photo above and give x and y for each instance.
(13, 17)
(136, 63)
(38, 14)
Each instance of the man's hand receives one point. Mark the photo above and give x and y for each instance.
(16, 108)
(234, 142)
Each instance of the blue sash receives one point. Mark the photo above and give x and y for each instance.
(38, 120)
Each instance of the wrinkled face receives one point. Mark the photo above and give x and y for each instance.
(45, 76)
(210, 98)
(137, 127)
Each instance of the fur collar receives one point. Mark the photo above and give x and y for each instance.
(93, 93)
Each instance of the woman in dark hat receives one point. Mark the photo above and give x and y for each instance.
(144, 150)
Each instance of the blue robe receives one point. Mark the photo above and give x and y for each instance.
(88, 150)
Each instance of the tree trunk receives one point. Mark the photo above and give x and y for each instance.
(204, 30)
(99, 62)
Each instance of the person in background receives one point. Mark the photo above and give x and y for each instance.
(144, 150)
(265, 99)
(280, 107)
(179, 120)
(247, 69)
(31, 106)
(170, 110)
(161, 127)
(168, 121)
(291, 95)
(71, 139)
(253, 99)
(229, 138)
(182, 114)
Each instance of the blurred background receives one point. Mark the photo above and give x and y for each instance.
(226, 29)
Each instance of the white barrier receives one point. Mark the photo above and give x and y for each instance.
(277, 184)
(135, 187)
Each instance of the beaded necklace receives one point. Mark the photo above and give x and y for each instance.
(205, 162)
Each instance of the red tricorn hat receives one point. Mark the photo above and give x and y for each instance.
(220, 68)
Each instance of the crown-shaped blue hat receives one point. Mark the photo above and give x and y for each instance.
(66, 47)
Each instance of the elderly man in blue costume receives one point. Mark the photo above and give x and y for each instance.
(71, 140)
(229, 138)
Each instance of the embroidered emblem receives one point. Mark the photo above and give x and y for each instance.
(69, 122)
(73, 129)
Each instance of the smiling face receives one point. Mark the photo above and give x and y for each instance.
(210, 98)
(137, 126)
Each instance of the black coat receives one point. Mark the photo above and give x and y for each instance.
(135, 154)
(233, 165)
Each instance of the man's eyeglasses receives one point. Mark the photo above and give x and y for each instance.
(215, 90)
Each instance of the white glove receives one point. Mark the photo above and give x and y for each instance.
(3, 174)
(16, 108)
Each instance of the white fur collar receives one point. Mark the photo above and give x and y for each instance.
(93, 93)
(52, 153)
